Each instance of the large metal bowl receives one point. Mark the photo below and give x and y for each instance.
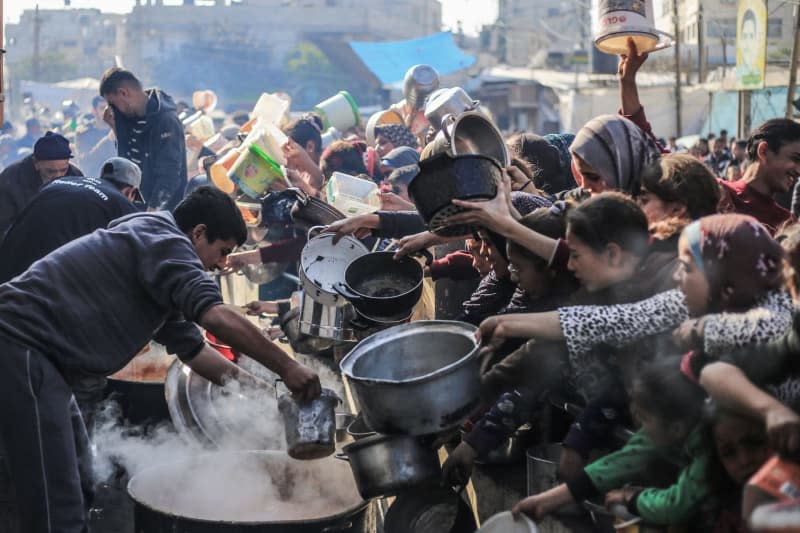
(416, 379)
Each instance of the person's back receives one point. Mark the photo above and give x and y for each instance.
(94, 302)
(64, 210)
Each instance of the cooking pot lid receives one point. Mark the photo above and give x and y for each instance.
(324, 263)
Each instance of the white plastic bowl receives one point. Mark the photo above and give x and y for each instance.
(504, 523)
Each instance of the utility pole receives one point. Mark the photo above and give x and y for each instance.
(793, 65)
(36, 31)
(676, 29)
(701, 46)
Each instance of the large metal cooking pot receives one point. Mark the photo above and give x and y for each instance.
(258, 491)
(308, 211)
(326, 321)
(452, 101)
(416, 379)
(380, 286)
(322, 265)
(442, 178)
(383, 465)
(418, 83)
(471, 133)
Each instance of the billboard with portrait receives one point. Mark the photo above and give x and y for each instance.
(751, 44)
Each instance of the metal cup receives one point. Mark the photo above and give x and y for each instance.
(419, 82)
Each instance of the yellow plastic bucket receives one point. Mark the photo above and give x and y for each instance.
(254, 172)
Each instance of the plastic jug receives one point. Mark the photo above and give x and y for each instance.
(219, 171)
(270, 108)
(254, 172)
(351, 195)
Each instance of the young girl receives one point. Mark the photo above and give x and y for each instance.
(669, 408)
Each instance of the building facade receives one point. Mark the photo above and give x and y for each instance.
(707, 29)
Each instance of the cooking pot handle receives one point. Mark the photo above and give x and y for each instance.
(427, 255)
(344, 526)
(346, 293)
(446, 122)
(475, 104)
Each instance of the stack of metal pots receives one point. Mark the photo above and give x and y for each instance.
(413, 383)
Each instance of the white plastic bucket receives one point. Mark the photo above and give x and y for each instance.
(339, 111)
(271, 108)
(621, 19)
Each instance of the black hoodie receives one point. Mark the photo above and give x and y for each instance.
(155, 142)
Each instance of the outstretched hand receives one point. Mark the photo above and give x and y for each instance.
(630, 63)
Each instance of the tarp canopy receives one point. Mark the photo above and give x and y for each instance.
(390, 60)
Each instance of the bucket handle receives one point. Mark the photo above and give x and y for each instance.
(318, 229)
(446, 121)
(664, 44)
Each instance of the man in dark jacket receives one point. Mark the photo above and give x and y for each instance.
(20, 181)
(88, 308)
(150, 134)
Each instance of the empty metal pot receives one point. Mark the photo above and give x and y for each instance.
(326, 321)
(452, 101)
(418, 83)
(383, 465)
(416, 379)
(310, 426)
(471, 133)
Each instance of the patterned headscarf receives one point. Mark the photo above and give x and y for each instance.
(561, 142)
(398, 134)
(738, 257)
(617, 149)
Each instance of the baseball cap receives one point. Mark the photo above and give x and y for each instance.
(122, 171)
(401, 157)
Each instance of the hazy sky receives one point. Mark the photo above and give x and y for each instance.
(472, 13)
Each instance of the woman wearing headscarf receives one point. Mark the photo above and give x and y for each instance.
(391, 136)
(549, 158)
(609, 153)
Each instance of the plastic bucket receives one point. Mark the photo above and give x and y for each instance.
(351, 195)
(219, 171)
(339, 111)
(254, 172)
(621, 19)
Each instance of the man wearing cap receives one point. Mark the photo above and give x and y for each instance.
(66, 209)
(397, 158)
(150, 134)
(20, 181)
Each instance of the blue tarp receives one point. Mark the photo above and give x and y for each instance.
(764, 105)
(390, 60)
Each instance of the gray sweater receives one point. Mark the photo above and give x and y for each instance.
(92, 304)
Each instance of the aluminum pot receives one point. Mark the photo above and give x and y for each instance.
(384, 465)
(442, 178)
(452, 101)
(380, 286)
(471, 133)
(416, 379)
(322, 265)
(418, 83)
(326, 321)
(231, 492)
(310, 426)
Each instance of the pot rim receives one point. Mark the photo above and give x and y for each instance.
(350, 511)
(379, 438)
(383, 298)
(467, 330)
(304, 279)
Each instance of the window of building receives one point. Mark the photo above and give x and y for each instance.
(775, 28)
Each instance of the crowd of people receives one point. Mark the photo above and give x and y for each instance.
(653, 285)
